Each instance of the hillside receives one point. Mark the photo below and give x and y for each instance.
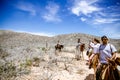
(10, 38)
(32, 57)
(13, 42)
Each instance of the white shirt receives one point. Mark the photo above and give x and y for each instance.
(94, 46)
(78, 44)
(105, 51)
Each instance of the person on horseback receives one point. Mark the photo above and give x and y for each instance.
(78, 43)
(106, 52)
(58, 42)
(93, 45)
(78, 49)
(58, 47)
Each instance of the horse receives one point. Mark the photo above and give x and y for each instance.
(94, 62)
(79, 51)
(110, 72)
(58, 47)
(117, 61)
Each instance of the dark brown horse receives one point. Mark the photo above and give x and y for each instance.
(58, 48)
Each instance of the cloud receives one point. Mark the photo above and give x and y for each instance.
(43, 34)
(105, 20)
(83, 19)
(38, 33)
(28, 7)
(84, 7)
(110, 30)
(107, 15)
(94, 13)
(51, 13)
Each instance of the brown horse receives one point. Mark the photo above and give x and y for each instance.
(94, 62)
(79, 51)
(58, 48)
(111, 72)
(82, 48)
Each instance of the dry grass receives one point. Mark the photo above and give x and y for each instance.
(81, 71)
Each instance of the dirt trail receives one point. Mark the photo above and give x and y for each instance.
(63, 67)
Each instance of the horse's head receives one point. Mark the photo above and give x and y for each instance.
(117, 61)
(62, 46)
(111, 72)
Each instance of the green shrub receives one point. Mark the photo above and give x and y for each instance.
(7, 71)
(43, 49)
(26, 64)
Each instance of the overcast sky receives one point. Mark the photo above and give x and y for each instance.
(53, 17)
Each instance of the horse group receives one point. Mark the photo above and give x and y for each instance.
(109, 72)
(79, 50)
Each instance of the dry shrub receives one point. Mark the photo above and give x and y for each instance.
(80, 71)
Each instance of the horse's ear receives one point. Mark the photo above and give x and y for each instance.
(117, 61)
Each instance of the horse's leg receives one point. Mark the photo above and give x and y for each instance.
(94, 68)
(82, 55)
(77, 54)
(55, 52)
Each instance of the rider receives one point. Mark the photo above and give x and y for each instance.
(93, 45)
(58, 42)
(78, 49)
(78, 43)
(106, 53)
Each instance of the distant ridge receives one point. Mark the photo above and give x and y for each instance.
(8, 37)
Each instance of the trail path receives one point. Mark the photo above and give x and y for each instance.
(62, 67)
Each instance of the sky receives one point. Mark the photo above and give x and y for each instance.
(55, 17)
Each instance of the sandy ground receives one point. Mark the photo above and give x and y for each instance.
(71, 69)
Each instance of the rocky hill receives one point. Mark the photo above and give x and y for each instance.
(15, 39)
